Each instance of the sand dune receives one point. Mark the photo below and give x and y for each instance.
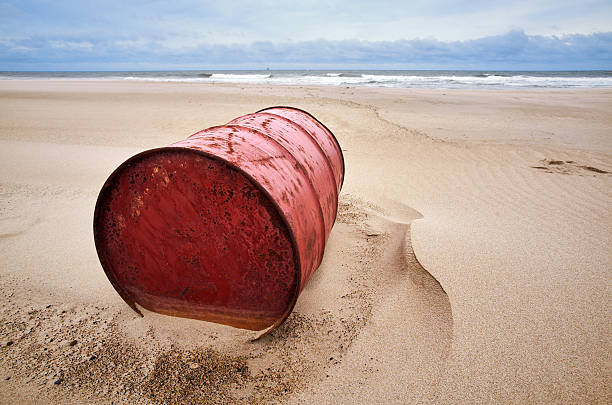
(470, 260)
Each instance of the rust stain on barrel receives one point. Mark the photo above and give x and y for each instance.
(227, 225)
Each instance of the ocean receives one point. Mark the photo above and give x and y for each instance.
(439, 79)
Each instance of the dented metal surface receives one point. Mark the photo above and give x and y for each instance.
(227, 225)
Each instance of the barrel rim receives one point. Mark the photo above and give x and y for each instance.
(319, 122)
(126, 296)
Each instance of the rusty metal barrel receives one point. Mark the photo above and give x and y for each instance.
(226, 226)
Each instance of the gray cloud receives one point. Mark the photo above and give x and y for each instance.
(145, 34)
(513, 50)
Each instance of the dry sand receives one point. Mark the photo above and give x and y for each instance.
(470, 261)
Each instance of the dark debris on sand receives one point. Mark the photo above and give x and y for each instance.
(567, 167)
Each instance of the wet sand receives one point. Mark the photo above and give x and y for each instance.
(470, 260)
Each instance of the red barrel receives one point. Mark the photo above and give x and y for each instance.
(227, 225)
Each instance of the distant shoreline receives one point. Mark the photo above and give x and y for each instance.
(435, 79)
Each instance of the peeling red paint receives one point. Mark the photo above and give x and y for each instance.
(225, 226)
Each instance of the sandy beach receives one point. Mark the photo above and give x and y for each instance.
(470, 261)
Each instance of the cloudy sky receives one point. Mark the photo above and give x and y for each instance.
(426, 34)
